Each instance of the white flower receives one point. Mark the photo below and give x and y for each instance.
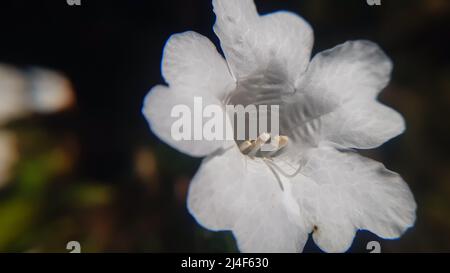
(35, 90)
(13, 87)
(22, 93)
(50, 91)
(316, 184)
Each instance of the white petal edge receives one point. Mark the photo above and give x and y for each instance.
(343, 84)
(231, 193)
(350, 70)
(256, 44)
(361, 124)
(157, 108)
(191, 60)
(344, 192)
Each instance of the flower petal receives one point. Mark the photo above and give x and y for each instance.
(261, 45)
(343, 83)
(191, 61)
(343, 192)
(351, 70)
(157, 109)
(361, 124)
(232, 193)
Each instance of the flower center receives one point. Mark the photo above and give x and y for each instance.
(254, 149)
(261, 148)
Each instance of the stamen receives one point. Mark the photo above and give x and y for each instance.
(256, 145)
(277, 177)
(281, 141)
(285, 174)
(245, 146)
(251, 148)
(276, 170)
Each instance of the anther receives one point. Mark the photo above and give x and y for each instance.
(281, 142)
(245, 146)
(256, 145)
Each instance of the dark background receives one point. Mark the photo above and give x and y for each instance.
(124, 190)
